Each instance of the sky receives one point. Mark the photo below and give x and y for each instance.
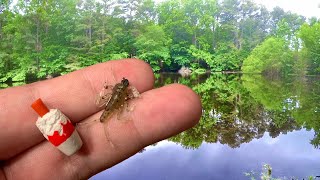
(307, 8)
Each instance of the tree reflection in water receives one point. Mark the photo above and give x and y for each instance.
(239, 108)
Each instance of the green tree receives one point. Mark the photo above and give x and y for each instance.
(58, 55)
(146, 12)
(40, 38)
(310, 35)
(152, 45)
(272, 57)
(6, 37)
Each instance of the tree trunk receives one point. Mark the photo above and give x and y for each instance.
(90, 31)
(161, 65)
(38, 44)
(194, 39)
(213, 37)
(0, 29)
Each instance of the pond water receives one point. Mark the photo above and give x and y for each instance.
(248, 121)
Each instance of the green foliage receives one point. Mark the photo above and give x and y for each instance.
(283, 29)
(152, 46)
(118, 56)
(180, 54)
(271, 57)
(227, 58)
(199, 71)
(310, 35)
(199, 54)
(40, 38)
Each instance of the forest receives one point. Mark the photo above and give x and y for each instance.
(41, 38)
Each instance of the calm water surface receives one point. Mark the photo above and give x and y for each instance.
(248, 121)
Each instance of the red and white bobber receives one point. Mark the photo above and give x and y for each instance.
(57, 128)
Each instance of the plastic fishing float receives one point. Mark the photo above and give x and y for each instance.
(57, 128)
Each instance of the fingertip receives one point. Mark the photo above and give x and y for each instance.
(190, 100)
(140, 72)
(166, 111)
(145, 69)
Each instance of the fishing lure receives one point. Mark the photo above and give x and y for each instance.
(115, 98)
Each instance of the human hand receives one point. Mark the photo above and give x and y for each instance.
(159, 114)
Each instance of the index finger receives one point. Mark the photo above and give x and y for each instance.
(73, 94)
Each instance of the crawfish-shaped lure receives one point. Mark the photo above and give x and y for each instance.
(117, 99)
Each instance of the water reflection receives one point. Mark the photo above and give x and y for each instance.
(5, 85)
(248, 120)
(239, 108)
(289, 155)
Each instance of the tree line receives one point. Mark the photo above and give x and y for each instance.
(54, 37)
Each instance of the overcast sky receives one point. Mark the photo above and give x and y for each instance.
(307, 8)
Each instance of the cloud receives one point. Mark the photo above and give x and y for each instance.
(307, 8)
